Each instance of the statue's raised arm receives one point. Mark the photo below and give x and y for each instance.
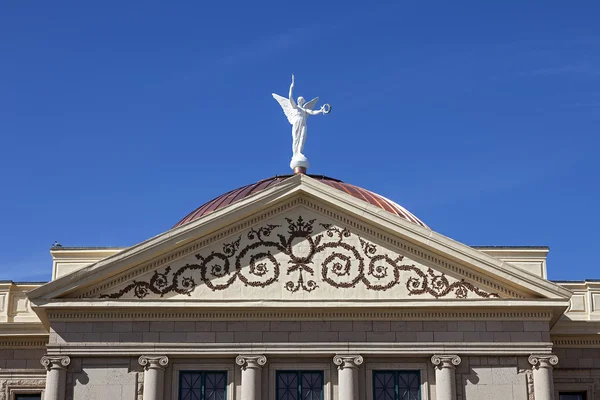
(291, 95)
(297, 114)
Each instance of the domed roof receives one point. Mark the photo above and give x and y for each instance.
(248, 190)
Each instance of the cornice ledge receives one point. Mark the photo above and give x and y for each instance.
(285, 311)
(364, 349)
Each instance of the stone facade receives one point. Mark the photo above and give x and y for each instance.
(303, 279)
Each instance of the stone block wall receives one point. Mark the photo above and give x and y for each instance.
(298, 331)
(578, 370)
(19, 359)
(20, 368)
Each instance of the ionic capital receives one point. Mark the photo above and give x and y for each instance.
(543, 360)
(347, 361)
(445, 360)
(153, 362)
(251, 361)
(55, 362)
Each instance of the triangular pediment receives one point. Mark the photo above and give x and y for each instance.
(303, 254)
(300, 241)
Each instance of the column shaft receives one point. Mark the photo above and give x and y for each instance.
(56, 376)
(154, 376)
(251, 375)
(543, 380)
(348, 375)
(445, 385)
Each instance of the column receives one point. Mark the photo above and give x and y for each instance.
(543, 382)
(56, 376)
(445, 382)
(347, 366)
(154, 376)
(251, 375)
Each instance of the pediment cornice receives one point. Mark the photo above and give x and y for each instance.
(418, 242)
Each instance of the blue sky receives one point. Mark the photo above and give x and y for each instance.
(119, 118)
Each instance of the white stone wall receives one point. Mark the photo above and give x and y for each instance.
(492, 377)
(104, 378)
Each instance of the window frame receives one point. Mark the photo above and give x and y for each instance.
(207, 367)
(421, 368)
(325, 369)
(299, 372)
(395, 372)
(574, 387)
(13, 392)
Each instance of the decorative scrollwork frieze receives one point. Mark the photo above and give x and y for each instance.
(338, 257)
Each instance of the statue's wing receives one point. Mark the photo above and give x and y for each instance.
(288, 110)
(311, 104)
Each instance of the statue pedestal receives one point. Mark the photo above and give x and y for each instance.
(299, 161)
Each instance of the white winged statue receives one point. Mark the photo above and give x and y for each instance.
(297, 114)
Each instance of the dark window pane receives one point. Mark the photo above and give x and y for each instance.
(384, 385)
(36, 396)
(299, 385)
(287, 386)
(200, 385)
(214, 386)
(312, 385)
(572, 396)
(396, 385)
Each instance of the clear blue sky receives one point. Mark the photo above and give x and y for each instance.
(117, 118)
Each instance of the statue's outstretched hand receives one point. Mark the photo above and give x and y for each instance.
(292, 79)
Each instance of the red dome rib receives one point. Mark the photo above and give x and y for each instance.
(248, 190)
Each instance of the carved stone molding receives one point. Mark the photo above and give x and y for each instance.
(9, 388)
(445, 361)
(543, 361)
(296, 315)
(55, 362)
(251, 361)
(347, 361)
(153, 362)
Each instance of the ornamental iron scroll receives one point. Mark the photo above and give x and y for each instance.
(344, 262)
